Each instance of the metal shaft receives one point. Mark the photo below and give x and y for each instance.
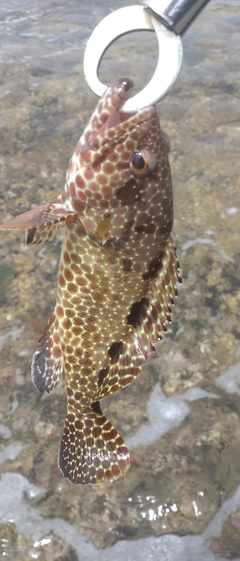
(177, 15)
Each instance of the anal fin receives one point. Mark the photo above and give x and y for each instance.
(47, 361)
(91, 449)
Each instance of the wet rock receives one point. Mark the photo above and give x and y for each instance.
(53, 548)
(228, 544)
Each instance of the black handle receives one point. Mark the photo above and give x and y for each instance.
(177, 15)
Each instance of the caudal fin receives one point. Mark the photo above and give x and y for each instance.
(91, 449)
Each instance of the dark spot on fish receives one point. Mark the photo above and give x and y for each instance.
(138, 312)
(29, 235)
(116, 350)
(127, 265)
(107, 216)
(128, 193)
(102, 374)
(97, 409)
(154, 267)
(145, 228)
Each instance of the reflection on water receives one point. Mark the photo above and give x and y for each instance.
(181, 497)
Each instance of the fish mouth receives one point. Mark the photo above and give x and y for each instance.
(124, 90)
(117, 119)
(111, 116)
(125, 122)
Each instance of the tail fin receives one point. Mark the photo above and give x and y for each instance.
(91, 449)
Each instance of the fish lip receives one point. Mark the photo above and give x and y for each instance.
(125, 87)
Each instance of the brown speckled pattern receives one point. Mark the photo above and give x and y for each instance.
(117, 279)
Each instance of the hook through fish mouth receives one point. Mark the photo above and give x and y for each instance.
(123, 91)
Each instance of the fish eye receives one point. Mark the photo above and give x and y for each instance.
(142, 163)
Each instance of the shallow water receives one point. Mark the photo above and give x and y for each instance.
(181, 498)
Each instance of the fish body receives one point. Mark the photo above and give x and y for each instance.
(117, 276)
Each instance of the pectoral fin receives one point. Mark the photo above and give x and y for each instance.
(41, 223)
(42, 234)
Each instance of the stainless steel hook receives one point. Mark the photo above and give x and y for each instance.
(123, 21)
(169, 19)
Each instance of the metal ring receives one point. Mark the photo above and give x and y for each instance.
(125, 20)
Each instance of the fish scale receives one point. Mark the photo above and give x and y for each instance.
(117, 276)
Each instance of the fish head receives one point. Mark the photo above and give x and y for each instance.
(120, 165)
(118, 175)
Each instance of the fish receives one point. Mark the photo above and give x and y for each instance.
(118, 276)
